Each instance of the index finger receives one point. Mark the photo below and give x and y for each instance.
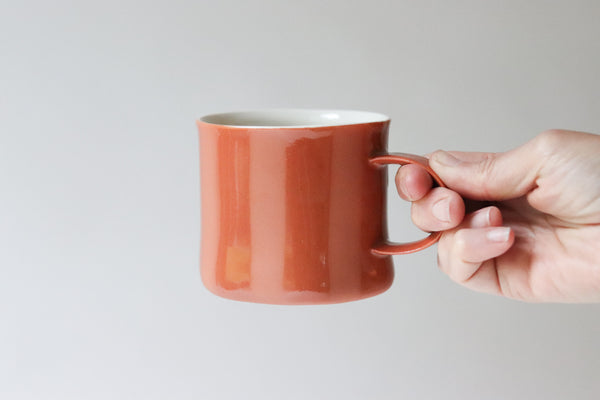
(413, 182)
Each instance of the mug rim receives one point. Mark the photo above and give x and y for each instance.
(293, 118)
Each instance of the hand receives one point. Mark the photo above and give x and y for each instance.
(538, 237)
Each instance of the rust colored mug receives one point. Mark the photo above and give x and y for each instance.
(294, 205)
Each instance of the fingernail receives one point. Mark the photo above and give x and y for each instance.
(441, 210)
(405, 190)
(481, 218)
(498, 235)
(444, 158)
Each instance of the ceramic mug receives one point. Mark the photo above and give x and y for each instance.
(294, 205)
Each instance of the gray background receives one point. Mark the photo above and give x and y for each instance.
(100, 295)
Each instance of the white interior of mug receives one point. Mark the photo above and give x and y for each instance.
(296, 118)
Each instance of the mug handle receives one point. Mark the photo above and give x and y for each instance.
(391, 248)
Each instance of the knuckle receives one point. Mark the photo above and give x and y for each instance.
(420, 217)
(486, 169)
(444, 254)
(415, 215)
(460, 243)
(458, 246)
(547, 142)
(442, 264)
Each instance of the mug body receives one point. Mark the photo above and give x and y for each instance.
(291, 208)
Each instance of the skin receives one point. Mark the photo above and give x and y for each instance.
(524, 224)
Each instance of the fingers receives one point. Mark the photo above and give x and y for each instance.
(484, 218)
(474, 246)
(438, 210)
(432, 209)
(468, 248)
(413, 182)
(466, 254)
(489, 176)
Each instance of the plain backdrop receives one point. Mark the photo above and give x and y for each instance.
(100, 293)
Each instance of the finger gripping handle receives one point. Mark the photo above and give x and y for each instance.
(392, 248)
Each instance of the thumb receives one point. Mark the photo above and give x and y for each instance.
(487, 176)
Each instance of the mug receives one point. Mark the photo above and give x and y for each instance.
(293, 205)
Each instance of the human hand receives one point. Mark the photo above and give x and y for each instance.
(538, 237)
